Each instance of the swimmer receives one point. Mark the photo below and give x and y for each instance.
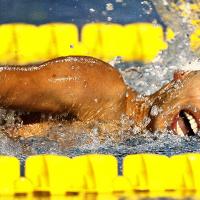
(86, 89)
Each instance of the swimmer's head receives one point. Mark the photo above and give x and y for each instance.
(179, 105)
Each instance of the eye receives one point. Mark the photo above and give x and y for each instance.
(185, 123)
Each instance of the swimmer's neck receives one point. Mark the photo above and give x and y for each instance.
(137, 107)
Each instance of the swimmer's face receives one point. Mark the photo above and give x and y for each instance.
(176, 107)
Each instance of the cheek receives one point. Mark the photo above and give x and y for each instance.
(162, 122)
(157, 123)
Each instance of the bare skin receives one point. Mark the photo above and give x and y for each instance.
(83, 87)
(178, 103)
(86, 89)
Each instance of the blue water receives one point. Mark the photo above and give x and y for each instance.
(76, 11)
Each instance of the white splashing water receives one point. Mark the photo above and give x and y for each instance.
(144, 78)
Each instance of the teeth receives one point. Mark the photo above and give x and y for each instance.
(188, 116)
(179, 130)
(192, 121)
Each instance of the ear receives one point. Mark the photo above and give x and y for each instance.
(180, 74)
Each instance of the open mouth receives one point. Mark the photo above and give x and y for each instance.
(186, 123)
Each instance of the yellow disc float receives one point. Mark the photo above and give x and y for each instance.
(98, 173)
(26, 43)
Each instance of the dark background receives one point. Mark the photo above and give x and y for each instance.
(76, 11)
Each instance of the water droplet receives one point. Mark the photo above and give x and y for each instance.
(104, 13)
(109, 7)
(109, 19)
(92, 10)
(147, 8)
(155, 110)
(96, 100)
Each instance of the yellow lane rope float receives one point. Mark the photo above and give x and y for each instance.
(26, 43)
(97, 173)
